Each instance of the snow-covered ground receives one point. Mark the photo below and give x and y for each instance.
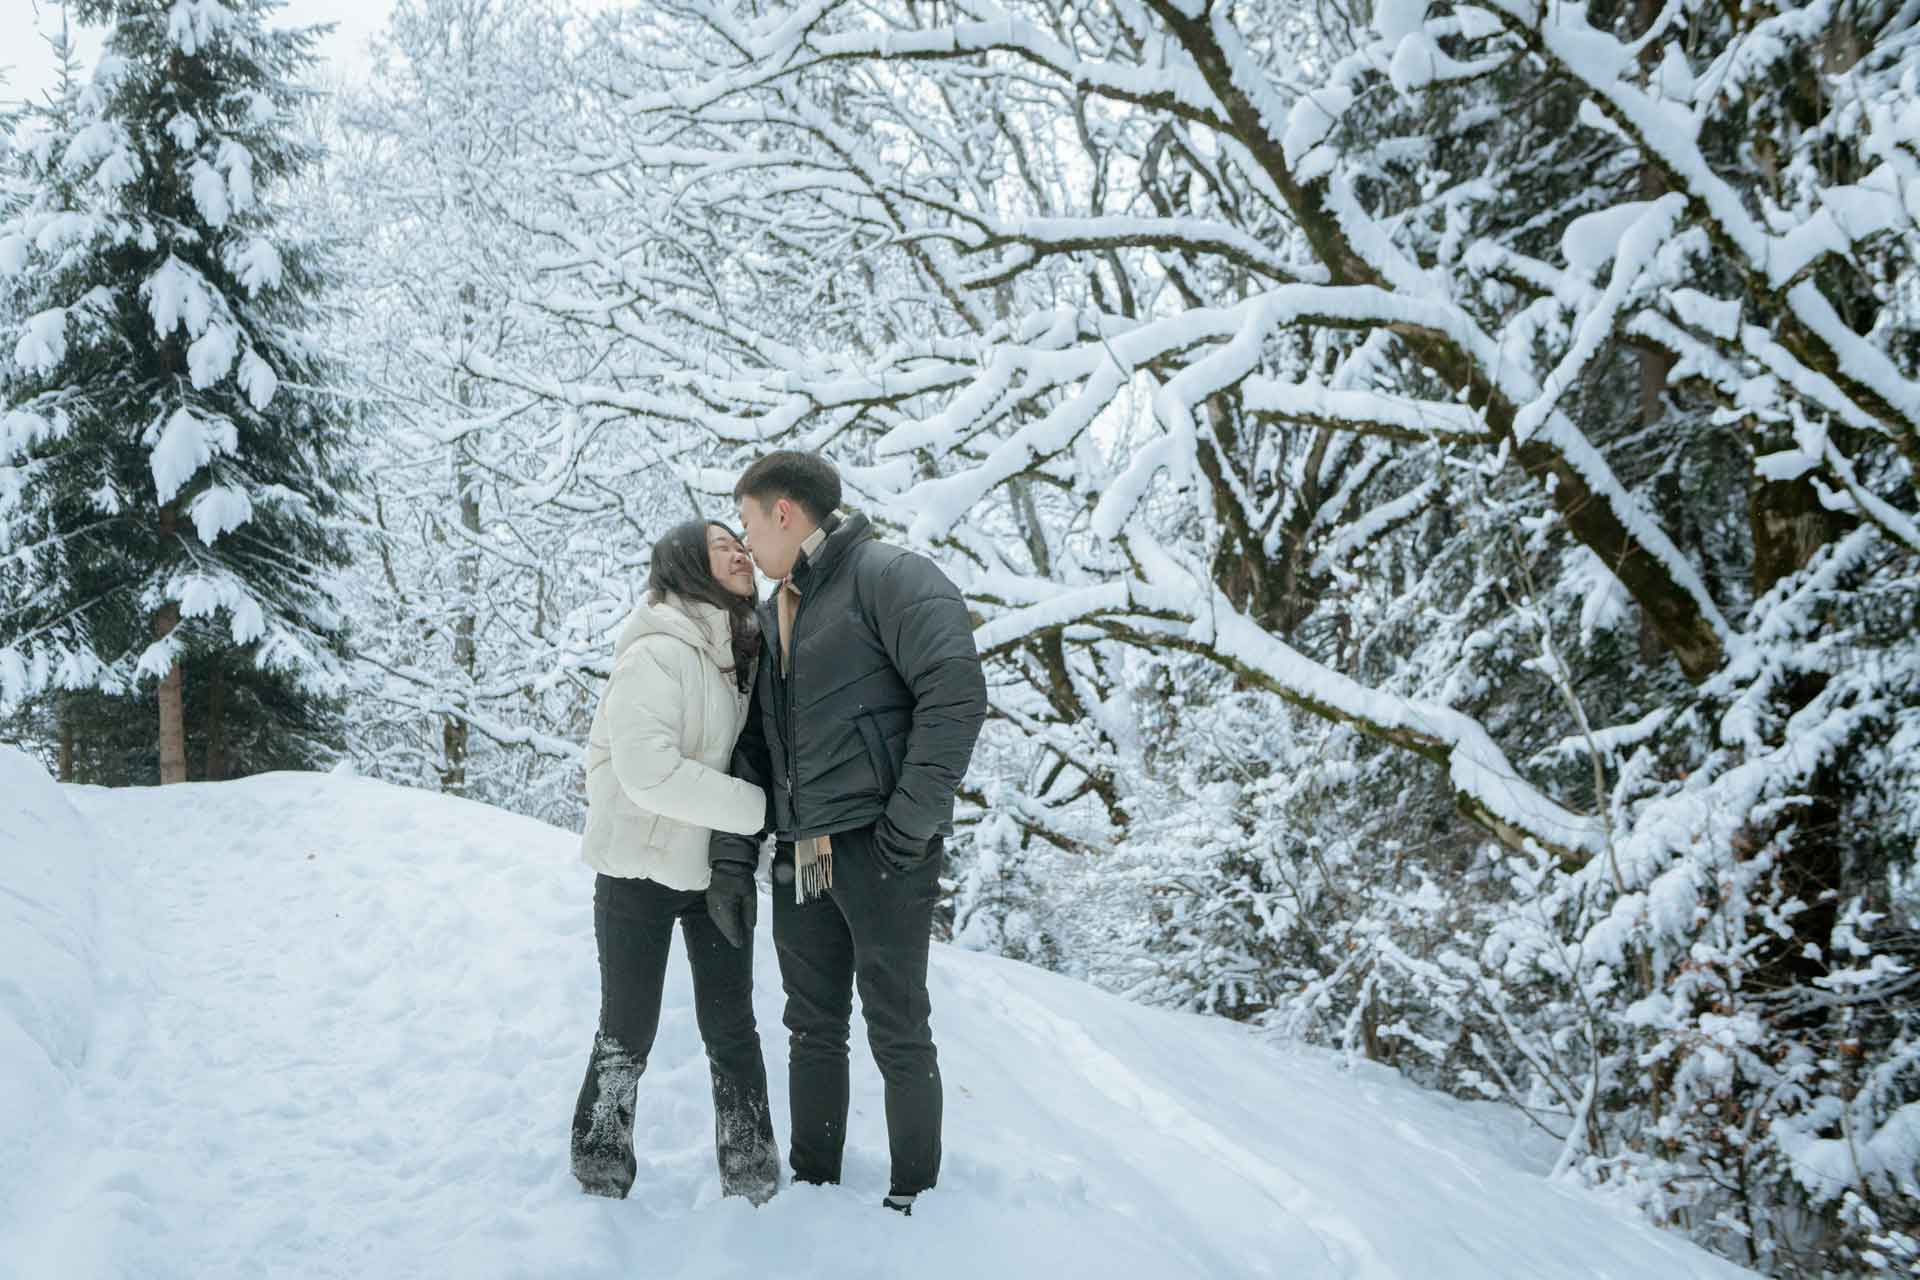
(306, 1026)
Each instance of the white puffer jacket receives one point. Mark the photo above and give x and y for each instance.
(661, 741)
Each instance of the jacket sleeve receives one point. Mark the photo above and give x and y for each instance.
(646, 701)
(923, 623)
(751, 764)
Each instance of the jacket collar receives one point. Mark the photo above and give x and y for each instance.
(843, 533)
(811, 546)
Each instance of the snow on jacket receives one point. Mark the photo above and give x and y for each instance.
(657, 783)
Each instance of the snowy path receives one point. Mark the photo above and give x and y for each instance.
(340, 1026)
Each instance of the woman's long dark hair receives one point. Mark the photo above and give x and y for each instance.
(683, 566)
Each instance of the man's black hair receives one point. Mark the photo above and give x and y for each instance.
(806, 479)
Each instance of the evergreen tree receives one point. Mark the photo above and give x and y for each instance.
(172, 465)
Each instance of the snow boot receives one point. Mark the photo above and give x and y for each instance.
(743, 1139)
(603, 1121)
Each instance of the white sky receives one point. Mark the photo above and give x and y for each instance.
(26, 64)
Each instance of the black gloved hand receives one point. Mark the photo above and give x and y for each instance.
(898, 851)
(733, 903)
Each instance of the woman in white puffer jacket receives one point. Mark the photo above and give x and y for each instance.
(657, 784)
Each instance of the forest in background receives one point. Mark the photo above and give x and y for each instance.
(1436, 483)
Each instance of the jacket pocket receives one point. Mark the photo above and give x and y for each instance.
(877, 756)
(641, 827)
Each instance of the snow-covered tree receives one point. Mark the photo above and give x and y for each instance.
(176, 456)
(24, 169)
(1437, 482)
(505, 532)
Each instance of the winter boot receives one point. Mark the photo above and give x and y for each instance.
(603, 1121)
(743, 1139)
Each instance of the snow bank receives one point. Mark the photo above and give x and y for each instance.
(48, 913)
(348, 1021)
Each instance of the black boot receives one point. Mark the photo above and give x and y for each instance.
(603, 1121)
(743, 1138)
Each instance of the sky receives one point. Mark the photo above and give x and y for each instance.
(27, 63)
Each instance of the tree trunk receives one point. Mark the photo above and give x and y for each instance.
(66, 737)
(1655, 365)
(217, 726)
(455, 732)
(453, 753)
(1813, 872)
(173, 715)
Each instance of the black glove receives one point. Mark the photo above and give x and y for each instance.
(732, 901)
(898, 851)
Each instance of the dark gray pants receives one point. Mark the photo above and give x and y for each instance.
(633, 924)
(872, 928)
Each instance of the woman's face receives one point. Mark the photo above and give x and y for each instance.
(731, 566)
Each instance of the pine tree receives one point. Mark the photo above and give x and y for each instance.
(174, 463)
(31, 559)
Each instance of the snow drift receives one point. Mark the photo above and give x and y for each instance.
(345, 1023)
(47, 947)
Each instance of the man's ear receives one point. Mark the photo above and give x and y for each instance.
(783, 511)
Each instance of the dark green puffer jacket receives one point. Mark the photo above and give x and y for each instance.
(878, 716)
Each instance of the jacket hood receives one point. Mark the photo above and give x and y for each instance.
(693, 622)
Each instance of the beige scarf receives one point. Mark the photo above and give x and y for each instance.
(813, 856)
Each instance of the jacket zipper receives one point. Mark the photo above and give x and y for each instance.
(793, 667)
(793, 724)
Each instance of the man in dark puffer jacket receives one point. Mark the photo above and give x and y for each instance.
(867, 703)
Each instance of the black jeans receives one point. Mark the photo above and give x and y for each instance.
(872, 927)
(633, 925)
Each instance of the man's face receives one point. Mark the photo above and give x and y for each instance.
(774, 533)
